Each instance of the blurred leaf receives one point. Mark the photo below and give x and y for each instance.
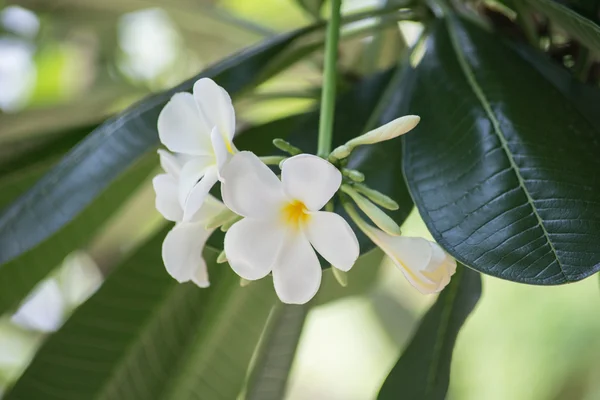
(143, 335)
(276, 352)
(585, 31)
(502, 164)
(24, 162)
(43, 150)
(423, 370)
(67, 191)
(313, 7)
(19, 276)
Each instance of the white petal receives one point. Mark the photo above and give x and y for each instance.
(222, 153)
(440, 269)
(79, 278)
(180, 127)
(333, 238)
(200, 278)
(310, 179)
(167, 203)
(297, 271)
(249, 188)
(182, 251)
(170, 163)
(43, 310)
(251, 246)
(215, 106)
(424, 264)
(198, 194)
(191, 173)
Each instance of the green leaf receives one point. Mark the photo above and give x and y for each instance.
(584, 97)
(69, 205)
(502, 165)
(143, 335)
(584, 30)
(19, 276)
(276, 352)
(22, 163)
(423, 370)
(110, 149)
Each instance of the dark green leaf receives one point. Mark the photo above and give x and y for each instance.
(585, 31)
(423, 370)
(502, 166)
(276, 352)
(584, 97)
(111, 148)
(144, 336)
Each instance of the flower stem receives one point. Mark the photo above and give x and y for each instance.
(329, 81)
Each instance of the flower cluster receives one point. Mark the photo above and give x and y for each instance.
(274, 225)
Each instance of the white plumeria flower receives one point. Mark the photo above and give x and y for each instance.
(183, 245)
(424, 263)
(199, 126)
(282, 221)
(46, 308)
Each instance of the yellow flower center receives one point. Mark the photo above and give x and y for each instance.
(295, 212)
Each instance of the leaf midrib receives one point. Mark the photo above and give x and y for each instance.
(470, 77)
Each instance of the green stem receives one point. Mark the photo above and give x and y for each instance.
(329, 81)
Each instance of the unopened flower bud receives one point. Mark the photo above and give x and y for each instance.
(391, 130)
(379, 218)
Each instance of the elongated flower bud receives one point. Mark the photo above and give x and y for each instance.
(391, 130)
(424, 264)
(354, 175)
(379, 218)
(285, 146)
(376, 197)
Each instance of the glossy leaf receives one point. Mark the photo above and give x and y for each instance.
(276, 352)
(584, 30)
(144, 336)
(584, 97)
(71, 203)
(423, 370)
(502, 164)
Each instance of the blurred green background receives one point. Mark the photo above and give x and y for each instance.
(68, 63)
